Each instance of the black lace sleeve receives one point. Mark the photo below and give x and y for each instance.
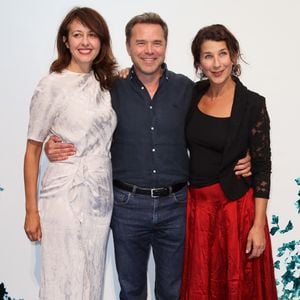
(260, 151)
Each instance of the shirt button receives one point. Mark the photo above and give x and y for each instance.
(154, 171)
(150, 107)
(142, 88)
(153, 150)
(152, 128)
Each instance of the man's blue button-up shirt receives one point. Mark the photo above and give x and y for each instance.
(149, 145)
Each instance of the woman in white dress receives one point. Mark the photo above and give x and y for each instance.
(72, 216)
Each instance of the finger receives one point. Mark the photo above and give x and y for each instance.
(244, 160)
(58, 158)
(247, 174)
(29, 233)
(253, 253)
(242, 166)
(60, 155)
(257, 251)
(61, 152)
(55, 139)
(243, 171)
(35, 236)
(30, 236)
(248, 246)
(62, 146)
(39, 234)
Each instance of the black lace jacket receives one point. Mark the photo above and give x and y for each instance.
(249, 129)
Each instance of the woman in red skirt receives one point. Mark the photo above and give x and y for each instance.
(228, 251)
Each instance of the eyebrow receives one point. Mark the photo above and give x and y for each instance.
(154, 41)
(208, 52)
(78, 30)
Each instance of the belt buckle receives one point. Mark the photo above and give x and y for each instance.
(152, 193)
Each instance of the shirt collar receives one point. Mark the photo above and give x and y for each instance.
(164, 74)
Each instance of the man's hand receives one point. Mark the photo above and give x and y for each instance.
(56, 150)
(124, 73)
(243, 166)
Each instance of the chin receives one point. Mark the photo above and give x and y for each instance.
(150, 71)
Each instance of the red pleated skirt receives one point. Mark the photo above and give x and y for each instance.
(216, 265)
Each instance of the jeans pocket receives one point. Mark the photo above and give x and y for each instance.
(181, 195)
(121, 197)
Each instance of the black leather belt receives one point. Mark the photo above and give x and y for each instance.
(153, 192)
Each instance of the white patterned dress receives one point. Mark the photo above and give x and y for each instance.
(76, 201)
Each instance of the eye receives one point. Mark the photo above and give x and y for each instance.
(93, 35)
(157, 43)
(77, 34)
(207, 56)
(223, 53)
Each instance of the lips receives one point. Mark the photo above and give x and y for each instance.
(217, 74)
(148, 59)
(85, 51)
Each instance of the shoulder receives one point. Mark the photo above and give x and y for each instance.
(199, 88)
(178, 78)
(253, 98)
(120, 87)
(49, 81)
(47, 89)
(201, 85)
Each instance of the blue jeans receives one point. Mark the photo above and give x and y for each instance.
(140, 222)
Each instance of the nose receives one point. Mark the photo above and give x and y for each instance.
(149, 48)
(85, 40)
(216, 62)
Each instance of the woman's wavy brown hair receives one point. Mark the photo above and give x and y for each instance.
(104, 65)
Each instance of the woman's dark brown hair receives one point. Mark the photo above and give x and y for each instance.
(217, 32)
(104, 65)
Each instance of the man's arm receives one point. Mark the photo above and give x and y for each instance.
(56, 150)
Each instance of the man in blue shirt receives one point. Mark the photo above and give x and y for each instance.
(150, 164)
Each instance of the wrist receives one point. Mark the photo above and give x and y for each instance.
(32, 211)
(259, 223)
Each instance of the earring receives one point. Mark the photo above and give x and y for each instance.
(236, 70)
(65, 42)
(201, 74)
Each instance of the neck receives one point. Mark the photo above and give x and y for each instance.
(79, 68)
(219, 90)
(148, 78)
(150, 81)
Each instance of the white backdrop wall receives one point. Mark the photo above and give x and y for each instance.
(268, 32)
